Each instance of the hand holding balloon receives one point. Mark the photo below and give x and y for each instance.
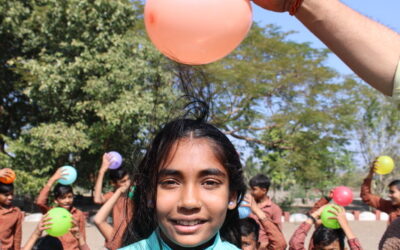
(66, 175)
(329, 218)
(115, 160)
(61, 221)
(7, 176)
(383, 165)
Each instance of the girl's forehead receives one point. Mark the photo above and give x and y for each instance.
(190, 154)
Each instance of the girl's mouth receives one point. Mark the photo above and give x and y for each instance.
(187, 226)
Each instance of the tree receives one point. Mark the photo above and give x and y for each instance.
(280, 98)
(97, 85)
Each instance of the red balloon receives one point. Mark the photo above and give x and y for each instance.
(197, 31)
(342, 196)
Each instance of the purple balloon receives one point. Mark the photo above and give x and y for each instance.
(116, 160)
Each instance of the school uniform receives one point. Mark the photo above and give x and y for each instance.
(300, 235)
(68, 240)
(122, 213)
(274, 213)
(378, 202)
(154, 242)
(10, 228)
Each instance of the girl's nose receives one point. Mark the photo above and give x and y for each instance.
(189, 199)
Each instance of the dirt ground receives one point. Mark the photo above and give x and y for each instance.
(369, 233)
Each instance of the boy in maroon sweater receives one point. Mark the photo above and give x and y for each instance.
(10, 219)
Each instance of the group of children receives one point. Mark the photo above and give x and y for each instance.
(186, 194)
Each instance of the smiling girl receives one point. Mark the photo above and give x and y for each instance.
(189, 184)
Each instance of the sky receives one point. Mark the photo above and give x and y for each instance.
(386, 12)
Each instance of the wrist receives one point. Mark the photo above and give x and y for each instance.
(312, 218)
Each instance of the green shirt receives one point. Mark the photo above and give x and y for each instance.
(154, 242)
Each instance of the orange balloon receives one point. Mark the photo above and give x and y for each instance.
(197, 31)
(10, 179)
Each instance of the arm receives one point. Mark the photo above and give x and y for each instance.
(77, 233)
(41, 200)
(276, 240)
(371, 199)
(18, 232)
(98, 197)
(82, 226)
(340, 215)
(321, 202)
(370, 49)
(42, 225)
(100, 218)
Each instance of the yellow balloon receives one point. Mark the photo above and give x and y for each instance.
(384, 165)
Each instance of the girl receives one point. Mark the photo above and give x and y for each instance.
(188, 187)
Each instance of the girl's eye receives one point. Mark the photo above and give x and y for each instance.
(169, 183)
(211, 183)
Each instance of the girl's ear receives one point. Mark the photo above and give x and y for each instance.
(232, 201)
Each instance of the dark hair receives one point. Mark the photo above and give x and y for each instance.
(249, 226)
(60, 190)
(6, 188)
(395, 183)
(261, 181)
(117, 174)
(48, 243)
(324, 236)
(145, 221)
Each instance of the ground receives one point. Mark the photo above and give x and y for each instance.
(369, 233)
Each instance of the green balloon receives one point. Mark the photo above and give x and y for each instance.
(329, 223)
(61, 220)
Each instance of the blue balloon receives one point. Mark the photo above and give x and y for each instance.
(70, 178)
(116, 159)
(244, 212)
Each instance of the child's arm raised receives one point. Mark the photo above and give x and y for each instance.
(276, 240)
(340, 215)
(41, 200)
(100, 219)
(371, 199)
(5, 172)
(98, 197)
(42, 225)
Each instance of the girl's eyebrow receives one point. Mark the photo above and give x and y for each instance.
(212, 171)
(169, 172)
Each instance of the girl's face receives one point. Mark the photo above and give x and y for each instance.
(192, 194)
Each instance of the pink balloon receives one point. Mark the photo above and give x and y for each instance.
(197, 31)
(342, 196)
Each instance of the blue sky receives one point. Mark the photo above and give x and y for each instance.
(386, 12)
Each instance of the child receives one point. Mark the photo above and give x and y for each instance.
(122, 211)
(259, 185)
(325, 238)
(392, 206)
(276, 240)
(36, 242)
(101, 217)
(63, 197)
(10, 219)
(249, 232)
(187, 193)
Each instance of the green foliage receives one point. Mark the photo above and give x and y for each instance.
(96, 85)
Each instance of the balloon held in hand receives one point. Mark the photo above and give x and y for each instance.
(326, 217)
(116, 160)
(69, 175)
(197, 31)
(10, 178)
(384, 165)
(61, 221)
(342, 196)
